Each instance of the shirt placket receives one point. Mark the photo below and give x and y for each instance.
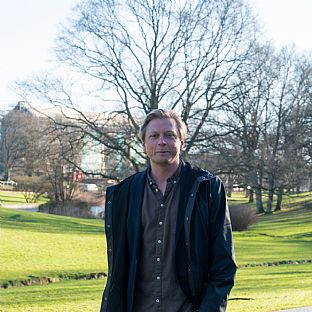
(159, 246)
(161, 200)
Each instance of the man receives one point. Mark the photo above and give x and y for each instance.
(168, 231)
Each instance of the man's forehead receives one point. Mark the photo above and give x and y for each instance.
(166, 124)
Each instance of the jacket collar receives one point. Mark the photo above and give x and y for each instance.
(187, 179)
(134, 211)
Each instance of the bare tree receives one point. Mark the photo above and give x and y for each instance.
(245, 118)
(135, 56)
(32, 146)
(19, 143)
(266, 123)
(295, 166)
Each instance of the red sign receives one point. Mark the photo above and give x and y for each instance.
(77, 176)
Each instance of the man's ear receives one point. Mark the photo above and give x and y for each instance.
(143, 145)
(181, 146)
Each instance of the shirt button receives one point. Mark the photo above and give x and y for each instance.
(161, 205)
(157, 300)
(156, 190)
(157, 259)
(160, 223)
(159, 241)
(174, 182)
(158, 277)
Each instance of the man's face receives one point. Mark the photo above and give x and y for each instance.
(162, 143)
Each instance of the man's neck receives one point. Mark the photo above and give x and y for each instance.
(160, 173)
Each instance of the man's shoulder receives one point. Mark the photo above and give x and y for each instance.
(200, 172)
(204, 172)
(127, 181)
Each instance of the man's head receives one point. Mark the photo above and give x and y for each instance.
(163, 114)
(162, 135)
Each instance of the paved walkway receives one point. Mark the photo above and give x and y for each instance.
(33, 207)
(306, 309)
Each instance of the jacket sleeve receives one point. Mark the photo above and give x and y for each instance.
(222, 265)
(114, 297)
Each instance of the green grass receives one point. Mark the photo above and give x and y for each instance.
(48, 245)
(272, 288)
(9, 197)
(288, 202)
(237, 198)
(68, 296)
(282, 236)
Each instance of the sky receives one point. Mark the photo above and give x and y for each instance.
(286, 21)
(28, 29)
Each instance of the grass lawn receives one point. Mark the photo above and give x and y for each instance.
(275, 288)
(282, 237)
(67, 296)
(278, 237)
(48, 245)
(10, 197)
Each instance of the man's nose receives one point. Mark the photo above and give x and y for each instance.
(161, 140)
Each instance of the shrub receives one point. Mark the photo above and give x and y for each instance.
(242, 216)
(32, 187)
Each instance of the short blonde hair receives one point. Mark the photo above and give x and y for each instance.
(163, 114)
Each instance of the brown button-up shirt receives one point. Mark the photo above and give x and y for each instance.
(157, 287)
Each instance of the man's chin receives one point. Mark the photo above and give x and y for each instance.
(165, 161)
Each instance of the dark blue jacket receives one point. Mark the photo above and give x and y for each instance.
(205, 262)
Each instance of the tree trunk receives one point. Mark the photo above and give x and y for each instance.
(270, 194)
(259, 204)
(251, 195)
(278, 206)
(229, 185)
(256, 188)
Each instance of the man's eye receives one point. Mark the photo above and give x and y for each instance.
(170, 135)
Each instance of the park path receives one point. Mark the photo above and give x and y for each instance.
(27, 207)
(305, 309)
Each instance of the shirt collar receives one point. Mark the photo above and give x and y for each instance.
(174, 178)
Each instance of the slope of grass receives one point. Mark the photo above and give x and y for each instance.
(10, 197)
(271, 243)
(266, 289)
(39, 244)
(68, 296)
(45, 245)
(285, 236)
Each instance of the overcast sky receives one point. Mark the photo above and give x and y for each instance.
(28, 29)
